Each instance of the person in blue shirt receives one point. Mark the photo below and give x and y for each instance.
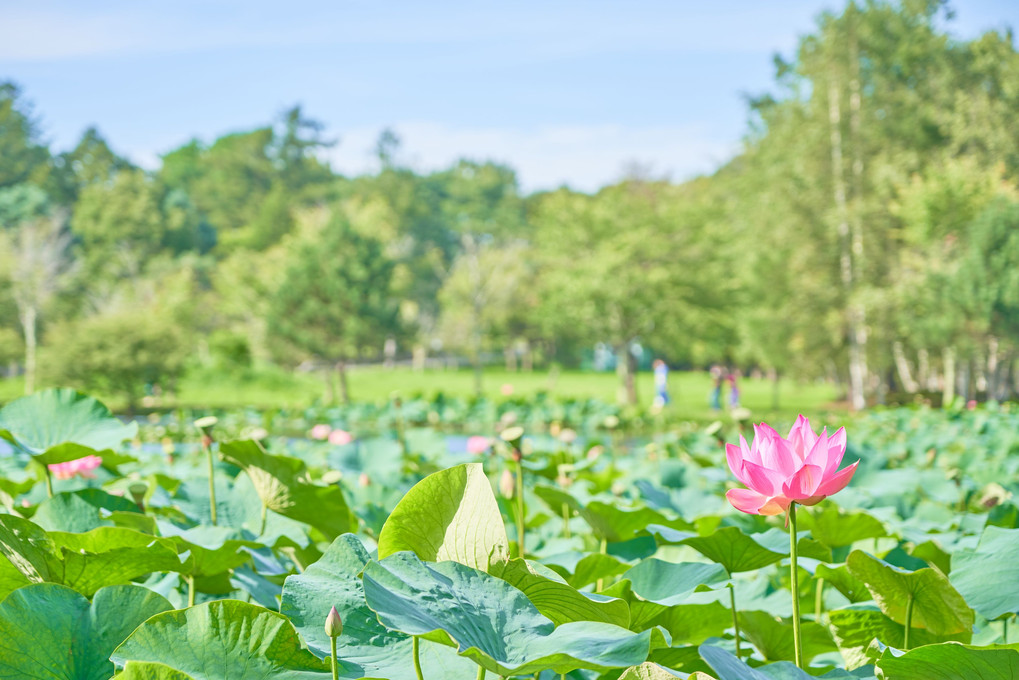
(661, 383)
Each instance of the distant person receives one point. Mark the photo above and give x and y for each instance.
(716, 392)
(661, 383)
(733, 392)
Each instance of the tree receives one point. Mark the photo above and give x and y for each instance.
(334, 303)
(23, 158)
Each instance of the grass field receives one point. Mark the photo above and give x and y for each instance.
(274, 387)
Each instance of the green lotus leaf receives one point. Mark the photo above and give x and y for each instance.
(937, 606)
(50, 631)
(988, 577)
(685, 623)
(670, 583)
(283, 486)
(733, 549)
(334, 581)
(855, 630)
(79, 511)
(836, 528)
(493, 623)
(144, 670)
(48, 418)
(449, 515)
(952, 661)
(225, 640)
(773, 637)
(652, 671)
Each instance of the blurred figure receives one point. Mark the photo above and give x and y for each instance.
(733, 392)
(716, 392)
(661, 383)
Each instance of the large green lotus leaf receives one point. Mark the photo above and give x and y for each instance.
(108, 556)
(50, 631)
(556, 498)
(856, 628)
(988, 576)
(145, 670)
(557, 600)
(611, 523)
(449, 515)
(952, 661)
(79, 511)
(839, 576)
(728, 667)
(225, 640)
(685, 622)
(45, 419)
(334, 581)
(937, 606)
(283, 485)
(670, 583)
(591, 568)
(773, 637)
(835, 528)
(733, 549)
(211, 550)
(27, 554)
(493, 623)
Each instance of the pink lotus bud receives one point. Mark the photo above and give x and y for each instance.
(506, 389)
(803, 468)
(364, 480)
(478, 445)
(334, 625)
(340, 437)
(971, 404)
(320, 431)
(507, 484)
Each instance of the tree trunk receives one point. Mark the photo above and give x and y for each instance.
(631, 378)
(327, 378)
(948, 386)
(510, 354)
(477, 305)
(527, 360)
(341, 369)
(29, 318)
(857, 365)
(626, 392)
(418, 358)
(923, 374)
(902, 366)
(773, 374)
(992, 368)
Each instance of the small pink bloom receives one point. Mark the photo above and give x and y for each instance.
(363, 480)
(478, 445)
(320, 431)
(506, 389)
(340, 437)
(971, 404)
(81, 466)
(803, 468)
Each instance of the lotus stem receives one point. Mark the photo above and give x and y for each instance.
(819, 600)
(566, 520)
(603, 549)
(265, 516)
(415, 646)
(1004, 630)
(212, 482)
(521, 518)
(794, 577)
(49, 481)
(735, 618)
(909, 622)
(191, 590)
(336, 668)
(481, 673)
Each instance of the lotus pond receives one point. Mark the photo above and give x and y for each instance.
(529, 541)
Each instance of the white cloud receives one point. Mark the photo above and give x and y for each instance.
(585, 157)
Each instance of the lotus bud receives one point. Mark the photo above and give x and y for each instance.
(595, 451)
(568, 436)
(364, 480)
(611, 422)
(554, 429)
(334, 625)
(507, 484)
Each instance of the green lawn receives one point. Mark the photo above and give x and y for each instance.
(273, 387)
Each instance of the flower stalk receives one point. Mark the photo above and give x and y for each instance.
(794, 577)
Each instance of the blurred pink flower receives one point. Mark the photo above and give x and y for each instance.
(478, 445)
(971, 404)
(506, 389)
(803, 468)
(320, 431)
(81, 466)
(340, 437)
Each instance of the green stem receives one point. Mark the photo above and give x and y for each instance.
(417, 657)
(212, 484)
(336, 668)
(481, 673)
(521, 518)
(49, 482)
(191, 591)
(819, 600)
(265, 516)
(735, 618)
(603, 549)
(566, 520)
(909, 622)
(794, 577)
(1004, 630)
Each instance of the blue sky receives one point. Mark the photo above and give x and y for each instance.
(567, 92)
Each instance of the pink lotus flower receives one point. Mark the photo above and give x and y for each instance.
(478, 445)
(803, 468)
(340, 437)
(320, 431)
(81, 466)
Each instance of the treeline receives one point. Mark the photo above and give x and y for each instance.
(868, 233)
